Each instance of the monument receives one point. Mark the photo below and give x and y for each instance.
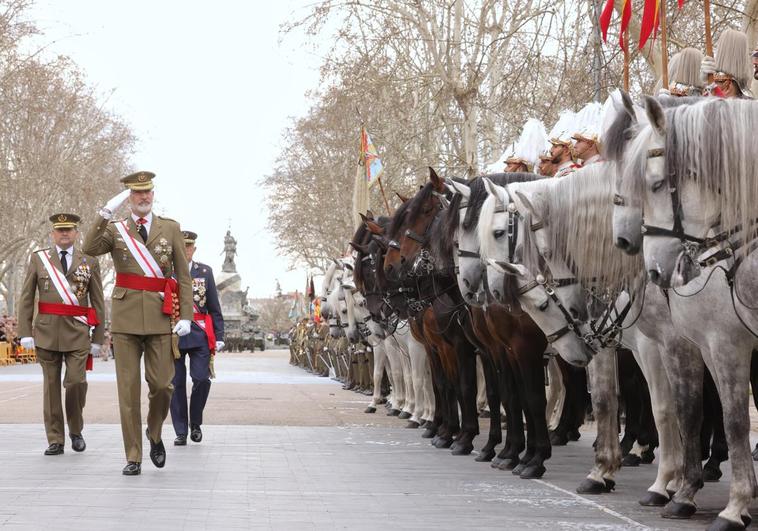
(239, 318)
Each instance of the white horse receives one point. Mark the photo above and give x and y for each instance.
(680, 158)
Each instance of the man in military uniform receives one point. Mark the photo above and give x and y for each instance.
(70, 302)
(545, 166)
(731, 69)
(205, 339)
(147, 251)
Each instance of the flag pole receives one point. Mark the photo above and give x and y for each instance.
(626, 60)
(384, 196)
(708, 36)
(664, 52)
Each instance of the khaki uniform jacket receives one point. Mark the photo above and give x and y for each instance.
(140, 312)
(62, 333)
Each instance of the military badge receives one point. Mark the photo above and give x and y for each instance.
(198, 291)
(163, 250)
(81, 279)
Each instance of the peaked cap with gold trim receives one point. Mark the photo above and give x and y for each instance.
(140, 181)
(65, 221)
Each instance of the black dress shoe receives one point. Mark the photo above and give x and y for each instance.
(181, 440)
(77, 443)
(132, 469)
(54, 449)
(196, 434)
(157, 451)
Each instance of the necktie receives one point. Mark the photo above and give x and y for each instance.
(142, 230)
(63, 261)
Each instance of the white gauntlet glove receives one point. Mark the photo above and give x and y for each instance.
(707, 67)
(112, 205)
(219, 345)
(95, 349)
(27, 343)
(182, 328)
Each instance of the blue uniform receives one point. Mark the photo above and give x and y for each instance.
(195, 345)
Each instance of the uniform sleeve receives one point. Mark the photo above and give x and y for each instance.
(214, 306)
(26, 301)
(182, 273)
(99, 239)
(97, 301)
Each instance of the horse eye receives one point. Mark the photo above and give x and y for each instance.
(657, 185)
(499, 233)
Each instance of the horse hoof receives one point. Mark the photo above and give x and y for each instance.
(370, 409)
(518, 469)
(484, 414)
(590, 486)
(631, 460)
(393, 413)
(747, 520)
(574, 435)
(711, 474)
(404, 415)
(532, 472)
(443, 443)
(428, 433)
(610, 485)
(509, 464)
(495, 461)
(558, 439)
(463, 449)
(648, 456)
(485, 456)
(654, 499)
(722, 524)
(428, 424)
(678, 511)
(412, 425)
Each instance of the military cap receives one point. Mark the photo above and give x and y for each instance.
(140, 181)
(65, 221)
(189, 237)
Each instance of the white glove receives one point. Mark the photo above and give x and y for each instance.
(219, 345)
(182, 328)
(707, 66)
(112, 205)
(94, 349)
(27, 343)
(664, 92)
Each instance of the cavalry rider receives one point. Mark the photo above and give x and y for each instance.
(531, 142)
(65, 280)
(562, 150)
(147, 251)
(684, 74)
(200, 345)
(731, 69)
(545, 166)
(587, 134)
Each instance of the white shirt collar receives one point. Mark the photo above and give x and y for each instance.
(148, 217)
(69, 250)
(191, 264)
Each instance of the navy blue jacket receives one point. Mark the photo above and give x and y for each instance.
(205, 298)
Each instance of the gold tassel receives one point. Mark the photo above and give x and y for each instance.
(211, 368)
(172, 323)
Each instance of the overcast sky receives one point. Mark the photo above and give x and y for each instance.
(207, 87)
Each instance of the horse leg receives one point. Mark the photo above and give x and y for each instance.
(380, 362)
(754, 388)
(481, 388)
(538, 439)
(398, 386)
(603, 372)
(719, 452)
(467, 380)
(627, 371)
(556, 393)
(495, 436)
(515, 440)
(417, 356)
(405, 361)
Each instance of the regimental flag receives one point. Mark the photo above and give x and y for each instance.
(626, 17)
(650, 20)
(372, 164)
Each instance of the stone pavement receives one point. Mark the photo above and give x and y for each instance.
(336, 476)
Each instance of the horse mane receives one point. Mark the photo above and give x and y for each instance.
(409, 211)
(711, 143)
(364, 237)
(578, 211)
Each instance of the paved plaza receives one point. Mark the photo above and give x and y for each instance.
(287, 450)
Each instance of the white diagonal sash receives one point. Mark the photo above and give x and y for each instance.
(61, 284)
(139, 251)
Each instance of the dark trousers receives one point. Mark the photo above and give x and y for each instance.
(201, 385)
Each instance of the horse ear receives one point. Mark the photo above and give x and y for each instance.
(337, 263)
(656, 115)
(628, 105)
(369, 214)
(402, 197)
(374, 228)
(458, 188)
(437, 182)
(527, 204)
(507, 268)
(364, 218)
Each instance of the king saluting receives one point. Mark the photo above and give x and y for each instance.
(148, 306)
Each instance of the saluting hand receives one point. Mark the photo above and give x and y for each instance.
(112, 205)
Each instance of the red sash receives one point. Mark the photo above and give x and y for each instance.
(56, 308)
(167, 285)
(207, 326)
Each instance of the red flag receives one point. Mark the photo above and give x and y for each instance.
(626, 17)
(605, 19)
(649, 20)
(681, 3)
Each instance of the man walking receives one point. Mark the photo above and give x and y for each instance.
(205, 339)
(147, 250)
(70, 302)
